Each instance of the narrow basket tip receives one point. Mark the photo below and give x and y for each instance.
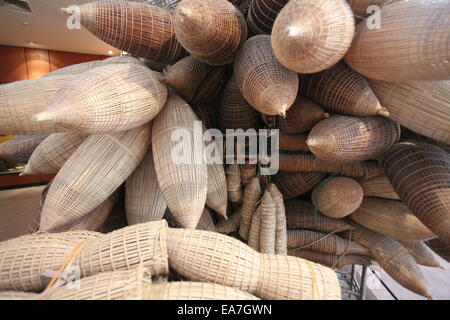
(326, 115)
(185, 12)
(384, 112)
(65, 10)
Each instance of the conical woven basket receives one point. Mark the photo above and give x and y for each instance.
(248, 172)
(53, 152)
(235, 112)
(212, 257)
(440, 247)
(217, 195)
(111, 98)
(268, 86)
(393, 258)
(235, 193)
(331, 260)
(294, 184)
(205, 223)
(87, 66)
(262, 14)
(301, 117)
(337, 197)
(20, 100)
(20, 148)
(295, 142)
(188, 290)
(416, 53)
(92, 173)
(378, 187)
(312, 35)
(144, 200)
(421, 253)
(281, 235)
(344, 139)
(17, 295)
(420, 174)
(254, 234)
(341, 90)
(252, 195)
(323, 242)
(301, 214)
(211, 87)
(140, 29)
(230, 225)
(24, 259)
(422, 107)
(183, 182)
(268, 224)
(206, 113)
(211, 30)
(392, 219)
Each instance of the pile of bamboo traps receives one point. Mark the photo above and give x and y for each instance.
(358, 170)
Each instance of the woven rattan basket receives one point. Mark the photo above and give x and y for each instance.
(312, 35)
(20, 148)
(359, 7)
(268, 86)
(422, 253)
(262, 14)
(254, 234)
(280, 235)
(17, 295)
(252, 195)
(235, 193)
(248, 172)
(294, 184)
(331, 260)
(268, 224)
(440, 247)
(378, 187)
(217, 195)
(294, 142)
(231, 224)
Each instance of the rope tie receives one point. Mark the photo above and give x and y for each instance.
(320, 239)
(345, 251)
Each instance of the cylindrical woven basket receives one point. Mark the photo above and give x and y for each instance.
(254, 234)
(92, 173)
(20, 100)
(345, 139)
(294, 184)
(268, 86)
(337, 197)
(301, 214)
(211, 87)
(211, 30)
(234, 183)
(378, 187)
(262, 14)
(280, 235)
(184, 184)
(20, 148)
(331, 260)
(422, 107)
(393, 258)
(323, 242)
(440, 247)
(341, 90)
(359, 7)
(301, 117)
(111, 98)
(17, 295)
(422, 253)
(416, 31)
(391, 218)
(144, 200)
(248, 172)
(207, 114)
(312, 35)
(252, 195)
(235, 111)
(268, 224)
(231, 224)
(53, 152)
(295, 142)
(140, 29)
(217, 195)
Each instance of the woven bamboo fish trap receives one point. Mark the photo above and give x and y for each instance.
(392, 219)
(211, 30)
(252, 195)
(280, 235)
(408, 135)
(20, 100)
(230, 225)
(254, 234)
(87, 66)
(440, 247)
(378, 187)
(268, 224)
(92, 173)
(248, 172)
(184, 184)
(235, 193)
(345, 139)
(107, 99)
(188, 290)
(359, 7)
(217, 195)
(337, 197)
(422, 107)
(262, 14)
(341, 90)
(205, 223)
(420, 174)
(17, 295)
(144, 200)
(323, 242)
(301, 117)
(235, 112)
(294, 184)
(331, 260)
(416, 53)
(206, 113)
(295, 142)
(393, 258)
(309, 36)
(20, 148)
(212, 85)
(53, 152)
(422, 253)
(212, 257)
(24, 259)
(301, 214)
(140, 29)
(268, 86)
